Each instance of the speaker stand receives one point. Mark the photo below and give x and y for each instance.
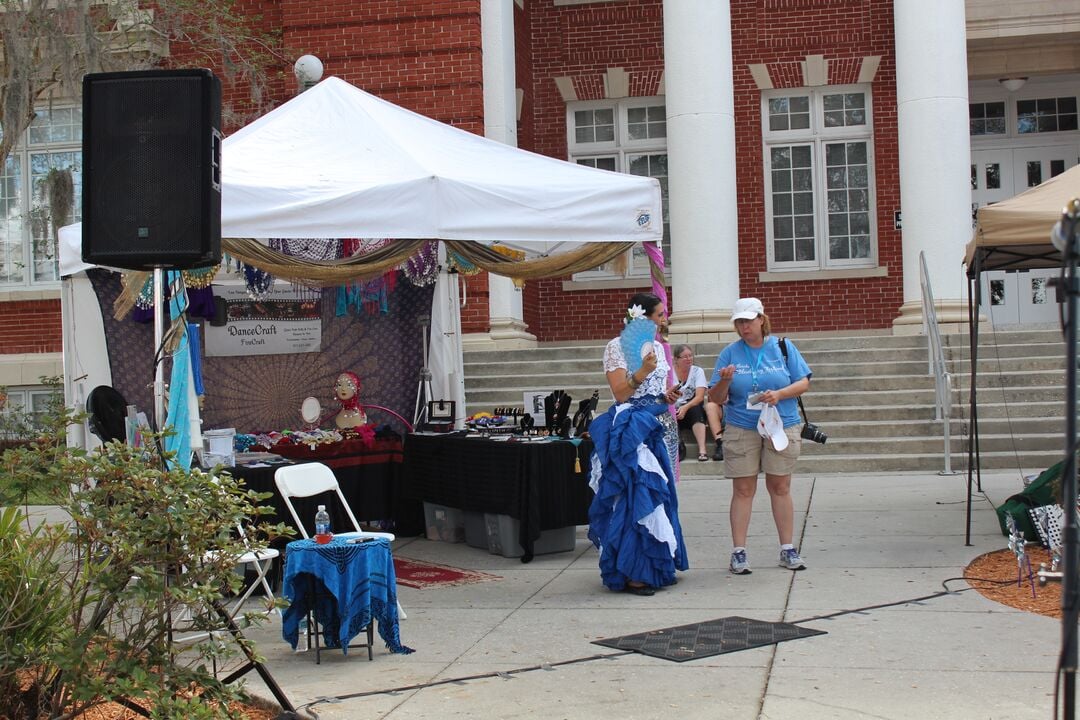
(159, 355)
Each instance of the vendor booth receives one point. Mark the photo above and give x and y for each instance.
(337, 163)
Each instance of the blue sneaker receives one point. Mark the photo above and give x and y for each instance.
(739, 564)
(790, 559)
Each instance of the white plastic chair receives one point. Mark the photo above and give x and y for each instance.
(310, 479)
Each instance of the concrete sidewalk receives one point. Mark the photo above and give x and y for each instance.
(520, 647)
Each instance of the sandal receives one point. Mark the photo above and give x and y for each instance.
(702, 457)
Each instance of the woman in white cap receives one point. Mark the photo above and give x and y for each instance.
(758, 389)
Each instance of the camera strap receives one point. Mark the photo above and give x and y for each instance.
(783, 351)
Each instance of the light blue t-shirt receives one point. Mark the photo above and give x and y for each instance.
(757, 370)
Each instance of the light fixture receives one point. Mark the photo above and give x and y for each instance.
(308, 70)
(1013, 84)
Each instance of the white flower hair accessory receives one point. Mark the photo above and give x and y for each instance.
(634, 312)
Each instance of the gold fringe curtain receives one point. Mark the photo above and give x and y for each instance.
(587, 257)
(329, 273)
(322, 273)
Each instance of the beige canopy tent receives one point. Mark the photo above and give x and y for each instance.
(1010, 235)
(1014, 234)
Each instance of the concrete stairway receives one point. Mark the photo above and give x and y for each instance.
(872, 394)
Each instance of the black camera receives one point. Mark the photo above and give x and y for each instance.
(813, 433)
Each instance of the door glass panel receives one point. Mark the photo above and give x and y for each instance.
(1034, 173)
(1038, 291)
(993, 176)
(974, 177)
(997, 292)
(1056, 167)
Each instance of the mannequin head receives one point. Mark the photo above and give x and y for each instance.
(347, 390)
(347, 387)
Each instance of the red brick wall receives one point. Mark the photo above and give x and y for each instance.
(582, 41)
(781, 33)
(30, 326)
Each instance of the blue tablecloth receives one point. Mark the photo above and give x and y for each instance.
(360, 585)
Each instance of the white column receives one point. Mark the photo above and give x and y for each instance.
(935, 154)
(702, 204)
(505, 315)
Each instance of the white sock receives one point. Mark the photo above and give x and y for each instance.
(788, 546)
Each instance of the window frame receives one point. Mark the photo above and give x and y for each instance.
(818, 136)
(621, 148)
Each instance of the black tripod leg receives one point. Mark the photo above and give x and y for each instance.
(252, 663)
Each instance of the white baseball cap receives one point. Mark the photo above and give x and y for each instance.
(771, 426)
(747, 309)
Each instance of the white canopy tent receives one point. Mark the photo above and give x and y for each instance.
(337, 162)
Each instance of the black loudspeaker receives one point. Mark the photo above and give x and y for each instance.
(152, 169)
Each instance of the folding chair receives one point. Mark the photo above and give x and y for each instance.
(260, 561)
(309, 479)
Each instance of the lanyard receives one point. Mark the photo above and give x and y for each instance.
(755, 362)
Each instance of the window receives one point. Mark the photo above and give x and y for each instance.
(28, 254)
(22, 410)
(819, 178)
(987, 118)
(1044, 115)
(629, 136)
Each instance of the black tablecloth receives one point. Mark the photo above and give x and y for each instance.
(370, 479)
(539, 484)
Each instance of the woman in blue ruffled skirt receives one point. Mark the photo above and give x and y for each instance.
(634, 516)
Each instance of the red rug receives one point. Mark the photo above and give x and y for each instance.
(418, 574)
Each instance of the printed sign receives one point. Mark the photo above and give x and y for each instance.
(286, 321)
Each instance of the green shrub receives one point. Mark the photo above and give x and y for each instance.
(148, 548)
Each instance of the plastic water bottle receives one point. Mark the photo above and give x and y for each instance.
(322, 526)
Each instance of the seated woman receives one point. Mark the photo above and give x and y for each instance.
(347, 391)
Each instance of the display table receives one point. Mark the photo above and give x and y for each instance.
(544, 486)
(346, 585)
(370, 479)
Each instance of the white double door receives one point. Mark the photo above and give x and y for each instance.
(1024, 296)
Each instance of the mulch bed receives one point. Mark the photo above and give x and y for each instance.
(994, 575)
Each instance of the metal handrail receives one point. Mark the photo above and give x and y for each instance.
(937, 367)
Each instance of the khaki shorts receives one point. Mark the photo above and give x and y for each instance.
(746, 453)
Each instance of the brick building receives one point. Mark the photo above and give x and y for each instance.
(787, 135)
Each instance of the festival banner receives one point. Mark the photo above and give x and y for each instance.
(284, 321)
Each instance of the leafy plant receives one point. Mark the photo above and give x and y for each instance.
(146, 554)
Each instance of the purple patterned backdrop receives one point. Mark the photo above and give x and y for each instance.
(264, 392)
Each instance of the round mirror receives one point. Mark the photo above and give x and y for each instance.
(311, 410)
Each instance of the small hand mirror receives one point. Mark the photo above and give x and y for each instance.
(311, 410)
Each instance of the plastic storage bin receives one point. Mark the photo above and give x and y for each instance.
(475, 530)
(444, 523)
(503, 531)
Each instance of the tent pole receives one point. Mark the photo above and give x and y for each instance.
(973, 294)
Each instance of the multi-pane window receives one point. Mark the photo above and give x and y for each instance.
(629, 136)
(28, 253)
(1043, 115)
(22, 411)
(987, 118)
(819, 178)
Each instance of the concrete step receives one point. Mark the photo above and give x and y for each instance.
(871, 393)
(1026, 463)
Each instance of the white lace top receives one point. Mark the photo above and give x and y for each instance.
(656, 383)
